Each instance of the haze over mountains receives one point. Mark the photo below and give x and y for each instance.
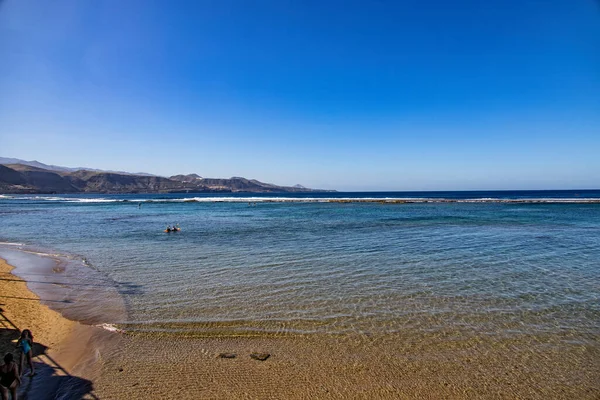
(6, 161)
(20, 176)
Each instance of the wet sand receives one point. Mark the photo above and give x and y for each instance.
(88, 362)
(60, 344)
(362, 368)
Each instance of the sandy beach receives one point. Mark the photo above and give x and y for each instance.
(301, 368)
(60, 344)
(87, 362)
(78, 361)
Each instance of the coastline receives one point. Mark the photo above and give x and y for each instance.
(77, 360)
(59, 343)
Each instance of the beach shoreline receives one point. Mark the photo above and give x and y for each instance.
(60, 344)
(89, 362)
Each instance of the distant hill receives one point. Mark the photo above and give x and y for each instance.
(37, 164)
(186, 178)
(25, 178)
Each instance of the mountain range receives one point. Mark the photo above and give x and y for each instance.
(20, 176)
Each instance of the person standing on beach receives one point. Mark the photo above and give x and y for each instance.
(9, 377)
(25, 344)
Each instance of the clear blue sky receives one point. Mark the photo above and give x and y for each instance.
(347, 95)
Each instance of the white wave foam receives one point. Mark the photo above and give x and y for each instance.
(37, 253)
(79, 200)
(280, 199)
(92, 200)
(249, 199)
(48, 198)
(71, 199)
(526, 200)
(110, 328)
(27, 249)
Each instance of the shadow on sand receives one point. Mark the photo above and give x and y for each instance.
(51, 380)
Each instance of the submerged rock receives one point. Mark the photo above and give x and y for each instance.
(227, 355)
(260, 356)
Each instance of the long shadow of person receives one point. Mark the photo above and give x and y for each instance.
(51, 380)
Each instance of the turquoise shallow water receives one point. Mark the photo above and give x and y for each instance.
(495, 265)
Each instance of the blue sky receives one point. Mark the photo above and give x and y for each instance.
(347, 95)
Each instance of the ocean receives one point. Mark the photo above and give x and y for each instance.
(495, 264)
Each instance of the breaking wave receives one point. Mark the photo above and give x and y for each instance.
(253, 199)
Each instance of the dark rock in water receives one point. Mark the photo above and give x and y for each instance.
(260, 356)
(120, 369)
(227, 355)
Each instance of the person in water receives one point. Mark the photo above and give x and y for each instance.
(10, 379)
(25, 344)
